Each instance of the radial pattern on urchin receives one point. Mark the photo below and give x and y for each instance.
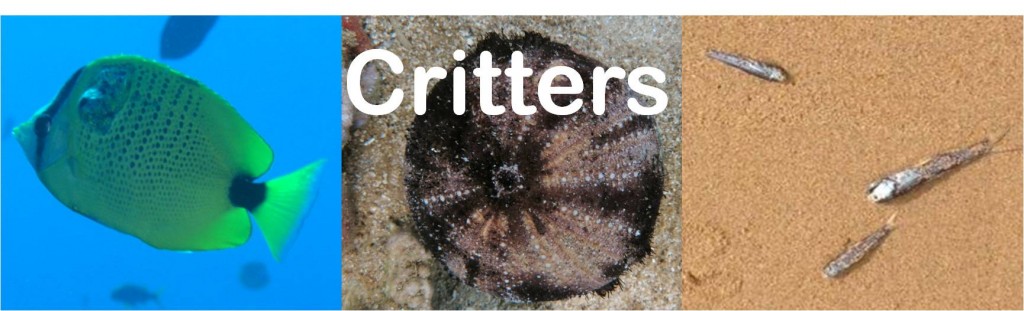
(538, 207)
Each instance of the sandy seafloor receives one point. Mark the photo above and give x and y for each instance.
(775, 174)
(384, 265)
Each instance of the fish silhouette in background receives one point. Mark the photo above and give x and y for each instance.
(182, 35)
(133, 296)
(8, 128)
(254, 275)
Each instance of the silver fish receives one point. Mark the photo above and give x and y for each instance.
(855, 253)
(905, 180)
(759, 69)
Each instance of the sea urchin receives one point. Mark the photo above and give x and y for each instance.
(538, 207)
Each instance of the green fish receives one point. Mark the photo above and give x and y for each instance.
(150, 152)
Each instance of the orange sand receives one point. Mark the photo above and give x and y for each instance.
(774, 174)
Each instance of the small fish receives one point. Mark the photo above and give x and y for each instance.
(182, 35)
(759, 69)
(143, 149)
(905, 180)
(254, 275)
(857, 252)
(132, 296)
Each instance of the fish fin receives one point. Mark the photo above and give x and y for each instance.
(995, 139)
(288, 198)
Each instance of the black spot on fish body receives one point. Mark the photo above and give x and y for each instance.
(247, 194)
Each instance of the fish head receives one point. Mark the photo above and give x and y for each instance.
(83, 110)
(44, 137)
(894, 185)
(882, 190)
(832, 271)
(776, 74)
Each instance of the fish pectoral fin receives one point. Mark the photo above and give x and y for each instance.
(288, 198)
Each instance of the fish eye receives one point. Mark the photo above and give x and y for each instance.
(42, 126)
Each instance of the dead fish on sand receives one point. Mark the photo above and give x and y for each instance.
(759, 69)
(857, 252)
(903, 181)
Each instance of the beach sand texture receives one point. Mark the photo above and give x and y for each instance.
(384, 266)
(774, 175)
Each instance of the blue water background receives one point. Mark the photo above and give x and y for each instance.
(282, 74)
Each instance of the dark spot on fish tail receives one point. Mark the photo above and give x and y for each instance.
(247, 194)
(42, 125)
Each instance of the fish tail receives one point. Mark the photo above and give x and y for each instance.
(1002, 150)
(993, 139)
(288, 198)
